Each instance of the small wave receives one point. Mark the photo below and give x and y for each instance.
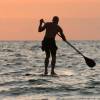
(89, 91)
(94, 83)
(12, 83)
(19, 72)
(25, 90)
(39, 81)
(18, 55)
(68, 88)
(35, 47)
(6, 50)
(86, 93)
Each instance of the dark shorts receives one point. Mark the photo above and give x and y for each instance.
(49, 45)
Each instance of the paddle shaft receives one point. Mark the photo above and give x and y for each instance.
(73, 47)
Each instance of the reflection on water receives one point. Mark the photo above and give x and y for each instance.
(21, 66)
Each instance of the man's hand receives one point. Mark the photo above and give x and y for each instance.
(41, 27)
(41, 21)
(64, 39)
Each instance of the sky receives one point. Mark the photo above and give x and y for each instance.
(79, 19)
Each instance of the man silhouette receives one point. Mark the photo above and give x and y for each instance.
(48, 43)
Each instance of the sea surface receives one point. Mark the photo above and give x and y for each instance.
(22, 63)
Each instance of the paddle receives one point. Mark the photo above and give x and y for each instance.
(90, 62)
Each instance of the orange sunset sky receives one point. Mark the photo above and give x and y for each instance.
(19, 19)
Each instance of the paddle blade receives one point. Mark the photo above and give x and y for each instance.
(90, 62)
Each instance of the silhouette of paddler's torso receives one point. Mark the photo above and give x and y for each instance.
(51, 30)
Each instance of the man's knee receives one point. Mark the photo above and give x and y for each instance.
(53, 59)
(48, 56)
(47, 60)
(53, 53)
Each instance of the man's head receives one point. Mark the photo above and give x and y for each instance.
(55, 19)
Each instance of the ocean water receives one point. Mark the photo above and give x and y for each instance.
(22, 63)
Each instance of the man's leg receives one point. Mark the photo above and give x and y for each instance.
(47, 61)
(53, 62)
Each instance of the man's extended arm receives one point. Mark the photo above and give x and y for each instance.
(62, 34)
(41, 28)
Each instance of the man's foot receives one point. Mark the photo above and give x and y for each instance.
(53, 74)
(45, 73)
